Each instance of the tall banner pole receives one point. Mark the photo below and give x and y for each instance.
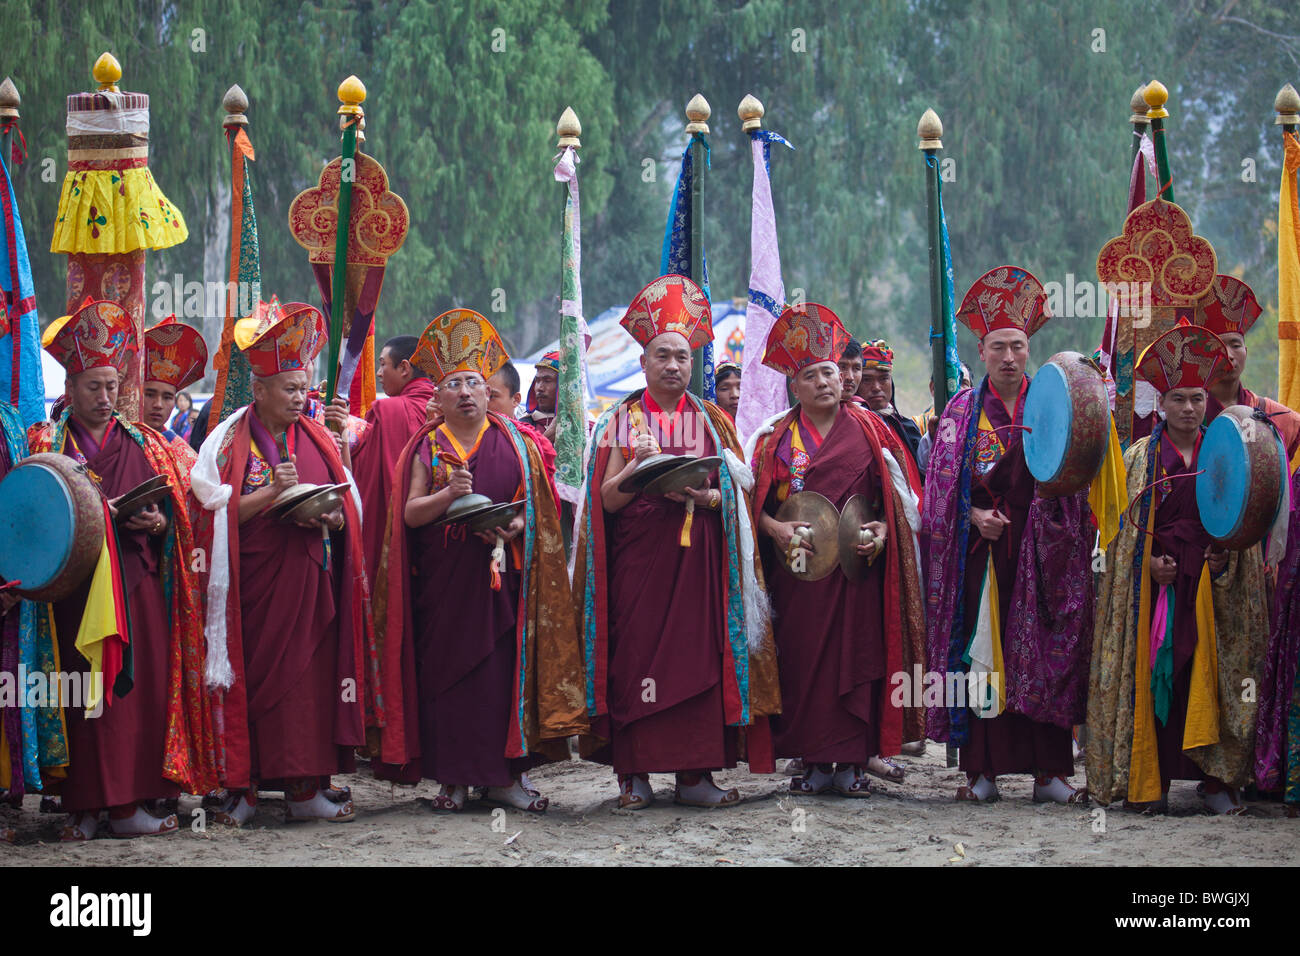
(111, 212)
(233, 388)
(764, 393)
(1287, 106)
(930, 131)
(22, 383)
(1156, 96)
(1138, 117)
(571, 399)
(697, 112)
(349, 234)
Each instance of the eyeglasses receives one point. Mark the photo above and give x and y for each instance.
(456, 384)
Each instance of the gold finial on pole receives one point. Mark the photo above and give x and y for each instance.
(568, 129)
(235, 103)
(107, 71)
(697, 111)
(9, 99)
(750, 112)
(1287, 105)
(1138, 106)
(352, 93)
(930, 130)
(1156, 96)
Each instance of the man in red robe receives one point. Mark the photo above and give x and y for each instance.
(389, 426)
(679, 654)
(154, 736)
(1009, 590)
(480, 653)
(838, 640)
(1229, 310)
(175, 356)
(544, 394)
(289, 638)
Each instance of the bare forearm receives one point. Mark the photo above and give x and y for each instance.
(427, 508)
(253, 504)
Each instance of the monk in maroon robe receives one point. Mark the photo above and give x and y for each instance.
(1004, 308)
(152, 731)
(389, 426)
(296, 630)
(837, 639)
(669, 685)
(478, 626)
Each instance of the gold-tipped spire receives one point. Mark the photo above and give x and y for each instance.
(235, 103)
(568, 129)
(1156, 96)
(698, 111)
(107, 71)
(1287, 105)
(352, 93)
(1138, 106)
(9, 99)
(750, 112)
(930, 131)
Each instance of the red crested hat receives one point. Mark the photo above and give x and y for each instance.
(877, 354)
(804, 335)
(1184, 357)
(174, 353)
(1007, 297)
(460, 340)
(1229, 306)
(670, 304)
(99, 334)
(281, 338)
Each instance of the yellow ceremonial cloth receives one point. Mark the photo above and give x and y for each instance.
(115, 211)
(1107, 494)
(98, 622)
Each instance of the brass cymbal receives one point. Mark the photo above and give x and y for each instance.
(694, 473)
(823, 520)
(649, 470)
(857, 512)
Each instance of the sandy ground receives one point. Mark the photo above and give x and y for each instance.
(912, 823)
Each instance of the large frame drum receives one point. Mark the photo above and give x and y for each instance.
(51, 526)
(1067, 421)
(1244, 474)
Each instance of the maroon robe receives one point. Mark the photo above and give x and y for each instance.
(666, 626)
(465, 632)
(390, 425)
(830, 636)
(1007, 743)
(117, 758)
(1178, 534)
(290, 632)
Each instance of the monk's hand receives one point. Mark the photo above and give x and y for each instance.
(462, 483)
(873, 547)
(336, 413)
(148, 519)
(645, 447)
(1217, 560)
(333, 521)
(285, 475)
(112, 506)
(431, 408)
(782, 532)
(989, 522)
(703, 497)
(505, 532)
(551, 428)
(1164, 570)
(7, 601)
